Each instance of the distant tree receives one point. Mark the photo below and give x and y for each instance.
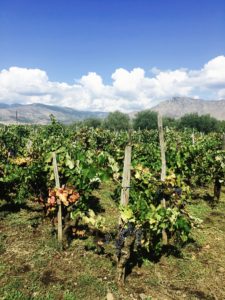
(75, 125)
(146, 119)
(222, 126)
(204, 123)
(117, 121)
(170, 122)
(92, 122)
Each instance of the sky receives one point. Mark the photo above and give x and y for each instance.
(111, 54)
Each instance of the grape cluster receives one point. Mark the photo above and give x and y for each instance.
(159, 194)
(138, 236)
(107, 238)
(178, 191)
(124, 232)
(11, 153)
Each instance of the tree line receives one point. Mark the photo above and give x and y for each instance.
(147, 119)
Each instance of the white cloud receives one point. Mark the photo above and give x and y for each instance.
(221, 94)
(130, 90)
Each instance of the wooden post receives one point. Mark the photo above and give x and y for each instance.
(29, 145)
(139, 135)
(163, 171)
(193, 137)
(125, 252)
(129, 136)
(126, 176)
(57, 184)
(223, 142)
(162, 147)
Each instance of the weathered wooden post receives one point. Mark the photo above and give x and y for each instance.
(124, 200)
(163, 170)
(162, 148)
(57, 184)
(139, 135)
(193, 137)
(223, 141)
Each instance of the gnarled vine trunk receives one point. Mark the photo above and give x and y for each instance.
(124, 258)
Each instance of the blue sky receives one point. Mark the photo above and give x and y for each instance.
(68, 39)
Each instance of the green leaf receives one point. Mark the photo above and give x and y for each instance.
(69, 162)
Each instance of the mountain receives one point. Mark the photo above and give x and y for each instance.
(179, 106)
(39, 114)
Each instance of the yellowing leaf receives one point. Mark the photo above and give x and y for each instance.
(127, 214)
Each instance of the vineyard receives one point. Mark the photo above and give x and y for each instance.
(88, 213)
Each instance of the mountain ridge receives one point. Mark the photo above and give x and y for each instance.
(38, 113)
(177, 107)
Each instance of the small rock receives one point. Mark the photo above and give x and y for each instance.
(142, 296)
(109, 296)
(221, 270)
(35, 294)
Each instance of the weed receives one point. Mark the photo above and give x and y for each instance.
(14, 295)
(69, 296)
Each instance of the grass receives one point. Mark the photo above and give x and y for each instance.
(200, 209)
(33, 267)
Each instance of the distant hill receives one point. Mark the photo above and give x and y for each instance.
(179, 106)
(39, 114)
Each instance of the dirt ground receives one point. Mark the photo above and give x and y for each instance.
(33, 267)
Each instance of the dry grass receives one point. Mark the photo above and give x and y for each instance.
(32, 267)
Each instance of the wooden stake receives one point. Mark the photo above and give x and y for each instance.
(193, 137)
(163, 170)
(125, 252)
(223, 142)
(57, 184)
(162, 148)
(126, 176)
